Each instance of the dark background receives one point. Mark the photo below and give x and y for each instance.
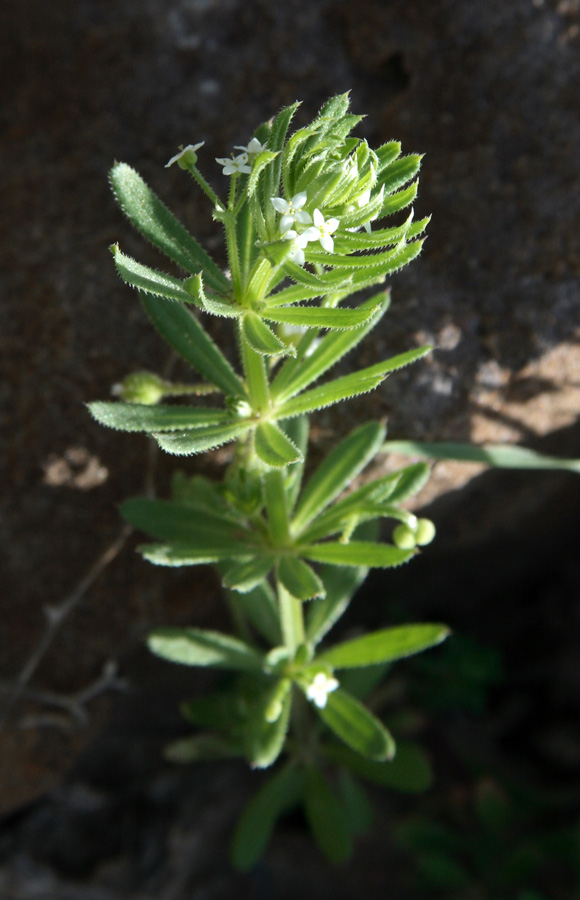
(489, 92)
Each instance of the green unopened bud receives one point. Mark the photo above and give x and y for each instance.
(276, 705)
(425, 532)
(141, 387)
(404, 537)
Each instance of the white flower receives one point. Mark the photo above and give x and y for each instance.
(236, 165)
(186, 155)
(253, 148)
(322, 230)
(299, 242)
(319, 689)
(292, 213)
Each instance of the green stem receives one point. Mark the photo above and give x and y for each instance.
(195, 173)
(229, 221)
(256, 377)
(277, 506)
(291, 620)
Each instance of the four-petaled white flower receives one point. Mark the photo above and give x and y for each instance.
(186, 155)
(235, 166)
(253, 148)
(319, 689)
(291, 212)
(322, 230)
(299, 242)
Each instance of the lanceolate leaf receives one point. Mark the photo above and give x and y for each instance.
(501, 455)
(170, 521)
(261, 607)
(337, 471)
(409, 771)
(296, 374)
(340, 585)
(278, 794)
(260, 337)
(202, 551)
(198, 647)
(146, 279)
(327, 817)
(357, 553)
(398, 201)
(354, 724)
(329, 393)
(384, 646)
(246, 576)
(399, 172)
(320, 317)
(299, 579)
(274, 448)
(349, 385)
(176, 324)
(141, 417)
(265, 739)
(185, 443)
(152, 218)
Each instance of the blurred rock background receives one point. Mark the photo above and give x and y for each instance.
(489, 92)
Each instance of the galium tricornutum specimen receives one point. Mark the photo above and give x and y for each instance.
(305, 232)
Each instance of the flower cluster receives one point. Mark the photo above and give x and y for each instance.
(294, 217)
(242, 163)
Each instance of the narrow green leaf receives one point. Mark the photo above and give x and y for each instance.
(332, 392)
(388, 153)
(349, 385)
(354, 724)
(337, 516)
(297, 374)
(409, 770)
(199, 493)
(384, 646)
(152, 218)
(182, 331)
(297, 430)
(260, 337)
(327, 817)
(504, 456)
(321, 317)
(395, 202)
(359, 809)
(209, 303)
(340, 585)
(186, 443)
(167, 520)
(184, 554)
(273, 447)
(262, 160)
(261, 607)
(254, 828)
(141, 417)
(336, 472)
(349, 243)
(299, 579)
(358, 553)
(265, 739)
(198, 647)
(327, 284)
(400, 172)
(411, 480)
(146, 279)
(245, 576)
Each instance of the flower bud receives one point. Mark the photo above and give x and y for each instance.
(141, 387)
(404, 537)
(425, 532)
